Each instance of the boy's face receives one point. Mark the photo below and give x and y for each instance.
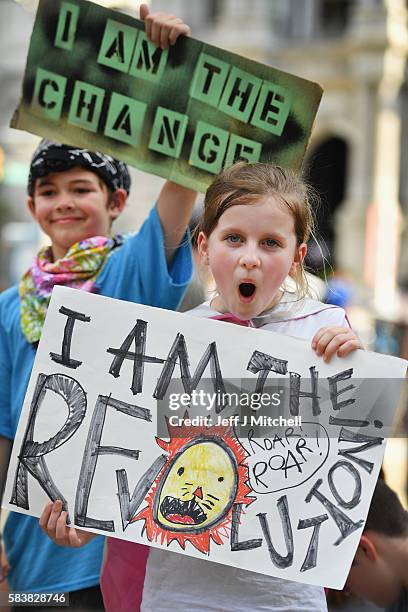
(74, 205)
(371, 576)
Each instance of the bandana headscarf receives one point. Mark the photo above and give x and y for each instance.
(77, 269)
(53, 157)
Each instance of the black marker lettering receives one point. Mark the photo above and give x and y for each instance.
(344, 523)
(32, 454)
(276, 558)
(295, 393)
(65, 358)
(129, 505)
(178, 354)
(311, 555)
(335, 392)
(263, 363)
(91, 453)
(138, 335)
(355, 500)
(236, 545)
(346, 435)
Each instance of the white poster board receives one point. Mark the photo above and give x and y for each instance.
(276, 479)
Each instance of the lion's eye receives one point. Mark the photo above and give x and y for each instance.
(180, 471)
(221, 478)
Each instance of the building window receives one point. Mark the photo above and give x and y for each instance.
(334, 16)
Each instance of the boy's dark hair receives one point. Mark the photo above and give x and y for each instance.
(386, 515)
(54, 157)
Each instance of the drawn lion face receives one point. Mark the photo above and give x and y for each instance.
(198, 487)
(192, 498)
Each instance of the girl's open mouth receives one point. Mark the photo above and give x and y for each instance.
(247, 290)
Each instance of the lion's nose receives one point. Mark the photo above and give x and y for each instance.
(198, 493)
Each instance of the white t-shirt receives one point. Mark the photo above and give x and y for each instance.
(292, 317)
(178, 582)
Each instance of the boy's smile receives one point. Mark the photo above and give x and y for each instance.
(71, 206)
(250, 252)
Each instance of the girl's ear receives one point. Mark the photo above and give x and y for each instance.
(202, 248)
(299, 257)
(117, 203)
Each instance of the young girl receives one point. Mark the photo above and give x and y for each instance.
(253, 233)
(74, 196)
(257, 220)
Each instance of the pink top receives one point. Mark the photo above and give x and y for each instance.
(123, 574)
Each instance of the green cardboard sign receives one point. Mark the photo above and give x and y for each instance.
(94, 80)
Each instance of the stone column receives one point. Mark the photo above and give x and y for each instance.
(351, 217)
(387, 225)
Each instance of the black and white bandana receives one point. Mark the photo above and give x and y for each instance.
(53, 157)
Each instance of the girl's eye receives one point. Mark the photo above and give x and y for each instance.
(46, 194)
(270, 242)
(82, 190)
(234, 238)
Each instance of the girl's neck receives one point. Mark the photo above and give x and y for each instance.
(217, 303)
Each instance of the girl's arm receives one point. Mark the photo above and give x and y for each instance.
(340, 341)
(53, 522)
(175, 203)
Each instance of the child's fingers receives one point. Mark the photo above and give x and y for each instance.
(164, 36)
(178, 29)
(153, 25)
(349, 346)
(322, 339)
(147, 18)
(325, 335)
(62, 529)
(341, 344)
(163, 29)
(53, 517)
(318, 336)
(46, 515)
(154, 34)
(143, 11)
(74, 538)
(332, 346)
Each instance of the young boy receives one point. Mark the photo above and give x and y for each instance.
(379, 571)
(75, 195)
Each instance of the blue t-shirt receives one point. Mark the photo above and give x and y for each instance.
(135, 272)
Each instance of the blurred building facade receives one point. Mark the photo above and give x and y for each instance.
(358, 155)
(357, 50)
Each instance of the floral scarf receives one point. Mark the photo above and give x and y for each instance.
(77, 269)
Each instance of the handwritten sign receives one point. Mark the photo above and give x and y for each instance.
(277, 486)
(94, 80)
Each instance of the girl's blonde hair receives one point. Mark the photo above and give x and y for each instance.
(244, 183)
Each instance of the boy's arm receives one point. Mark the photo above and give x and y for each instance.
(174, 207)
(175, 203)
